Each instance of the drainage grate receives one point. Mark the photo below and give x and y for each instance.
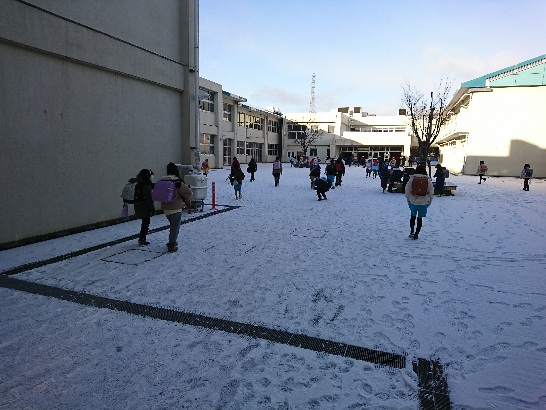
(433, 390)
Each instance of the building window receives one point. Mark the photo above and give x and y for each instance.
(273, 149)
(241, 120)
(206, 144)
(313, 152)
(254, 149)
(273, 126)
(296, 131)
(331, 129)
(256, 122)
(206, 100)
(240, 148)
(227, 112)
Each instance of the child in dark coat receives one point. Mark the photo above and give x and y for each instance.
(322, 186)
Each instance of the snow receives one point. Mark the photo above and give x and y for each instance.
(469, 293)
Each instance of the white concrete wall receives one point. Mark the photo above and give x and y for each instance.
(89, 98)
(506, 129)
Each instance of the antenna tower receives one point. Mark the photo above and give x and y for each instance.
(312, 102)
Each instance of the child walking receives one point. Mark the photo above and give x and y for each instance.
(238, 183)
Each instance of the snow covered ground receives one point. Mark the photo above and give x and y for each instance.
(469, 294)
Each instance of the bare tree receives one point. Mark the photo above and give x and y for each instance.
(305, 134)
(426, 117)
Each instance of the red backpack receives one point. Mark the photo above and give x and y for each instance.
(419, 186)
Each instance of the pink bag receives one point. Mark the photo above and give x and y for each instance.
(164, 191)
(125, 211)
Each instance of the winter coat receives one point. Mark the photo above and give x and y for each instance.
(419, 199)
(322, 185)
(205, 166)
(523, 174)
(330, 169)
(252, 166)
(315, 171)
(143, 191)
(439, 175)
(482, 169)
(183, 195)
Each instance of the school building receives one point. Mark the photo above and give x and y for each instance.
(498, 118)
(349, 131)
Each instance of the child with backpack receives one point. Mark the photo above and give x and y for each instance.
(418, 192)
(174, 195)
(526, 174)
(277, 171)
(238, 177)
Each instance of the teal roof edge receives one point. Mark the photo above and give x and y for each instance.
(480, 81)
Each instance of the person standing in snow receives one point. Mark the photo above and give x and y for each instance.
(526, 174)
(375, 168)
(419, 199)
(482, 169)
(331, 172)
(368, 169)
(384, 175)
(440, 180)
(340, 171)
(144, 204)
(277, 171)
(205, 166)
(314, 173)
(173, 210)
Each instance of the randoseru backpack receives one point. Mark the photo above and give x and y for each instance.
(419, 186)
(128, 193)
(483, 168)
(528, 172)
(164, 191)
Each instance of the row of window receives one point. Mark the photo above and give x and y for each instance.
(253, 148)
(378, 129)
(250, 121)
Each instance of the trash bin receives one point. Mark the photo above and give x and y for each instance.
(198, 185)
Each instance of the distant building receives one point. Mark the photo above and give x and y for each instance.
(498, 118)
(349, 132)
(229, 127)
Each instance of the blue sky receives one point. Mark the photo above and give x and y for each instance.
(362, 51)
